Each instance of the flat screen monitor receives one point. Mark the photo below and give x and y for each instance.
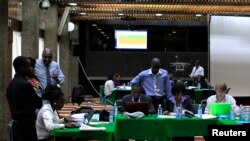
(131, 39)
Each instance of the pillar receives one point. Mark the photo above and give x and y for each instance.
(50, 31)
(30, 28)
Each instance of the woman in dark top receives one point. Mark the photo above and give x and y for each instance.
(179, 99)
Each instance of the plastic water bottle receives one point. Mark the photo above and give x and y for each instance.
(85, 118)
(199, 112)
(159, 110)
(199, 86)
(115, 109)
(232, 117)
(128, 84)
(178, 112)
(241, 113)
(111, 116)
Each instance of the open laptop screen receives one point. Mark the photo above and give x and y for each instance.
(137, 106)
(218, 109)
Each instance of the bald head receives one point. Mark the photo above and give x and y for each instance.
(47, 56)
(155, 65)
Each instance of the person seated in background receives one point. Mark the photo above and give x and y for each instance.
(137, 96)
(48, 117)
(204, 83)
(221, 97)
(171, 79)
(178, 99)
(111, 83)
(197, 72)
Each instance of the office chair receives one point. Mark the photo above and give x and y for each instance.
(228, 89)
(103, 99)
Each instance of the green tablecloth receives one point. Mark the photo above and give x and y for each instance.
(107, 135)
(153, 128)
(147, 128)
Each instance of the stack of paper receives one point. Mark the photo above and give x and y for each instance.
(85, 127)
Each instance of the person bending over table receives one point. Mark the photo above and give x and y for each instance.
(48, 117)
(179, 99)
(221, 97)
(155, 82)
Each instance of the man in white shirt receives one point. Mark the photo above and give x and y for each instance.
(197, 72)
(221, 97)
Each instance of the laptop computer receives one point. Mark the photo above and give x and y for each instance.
(82, 117)
(220, 109)
(137, 106)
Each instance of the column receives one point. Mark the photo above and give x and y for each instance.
(64, 55)
(30, 28)
(50, 31)
(5, 74)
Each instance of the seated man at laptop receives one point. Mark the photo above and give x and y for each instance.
(221, 97)
(137, 96)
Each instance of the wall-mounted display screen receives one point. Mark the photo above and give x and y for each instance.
(130, 39)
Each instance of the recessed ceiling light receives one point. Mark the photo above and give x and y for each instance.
(94, 25)
(198, 15)
(173, 32)
(120, 14)
(83, 13)
(158, 14)
(72, 4)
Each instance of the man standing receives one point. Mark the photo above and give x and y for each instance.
(155, 82)
(197, 72)
(47, 70)
(23, 101)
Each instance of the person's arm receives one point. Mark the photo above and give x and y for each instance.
(136, 79)
(48, 121)
(192, 73)
(60, 75)
(234, 106)
(208, 106)
(167, 86)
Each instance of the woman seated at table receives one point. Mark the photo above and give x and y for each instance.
(221, 97)
(111, 83)
(179, 99)
(48, 117)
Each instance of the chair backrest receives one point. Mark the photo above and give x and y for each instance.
(77, 94)
(101, 91)
(196, 108)
(228, 89)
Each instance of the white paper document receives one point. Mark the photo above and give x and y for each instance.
(85, 127)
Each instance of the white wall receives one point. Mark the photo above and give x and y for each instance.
(16, 47)
(230, 53)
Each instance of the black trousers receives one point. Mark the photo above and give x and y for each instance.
(24, 131)
(156, 100)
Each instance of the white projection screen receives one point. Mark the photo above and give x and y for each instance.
(230, 53)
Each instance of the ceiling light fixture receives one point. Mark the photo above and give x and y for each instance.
(120, 14)
(158, 14)
(198, 15)
(83, 13)
(72, 4)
